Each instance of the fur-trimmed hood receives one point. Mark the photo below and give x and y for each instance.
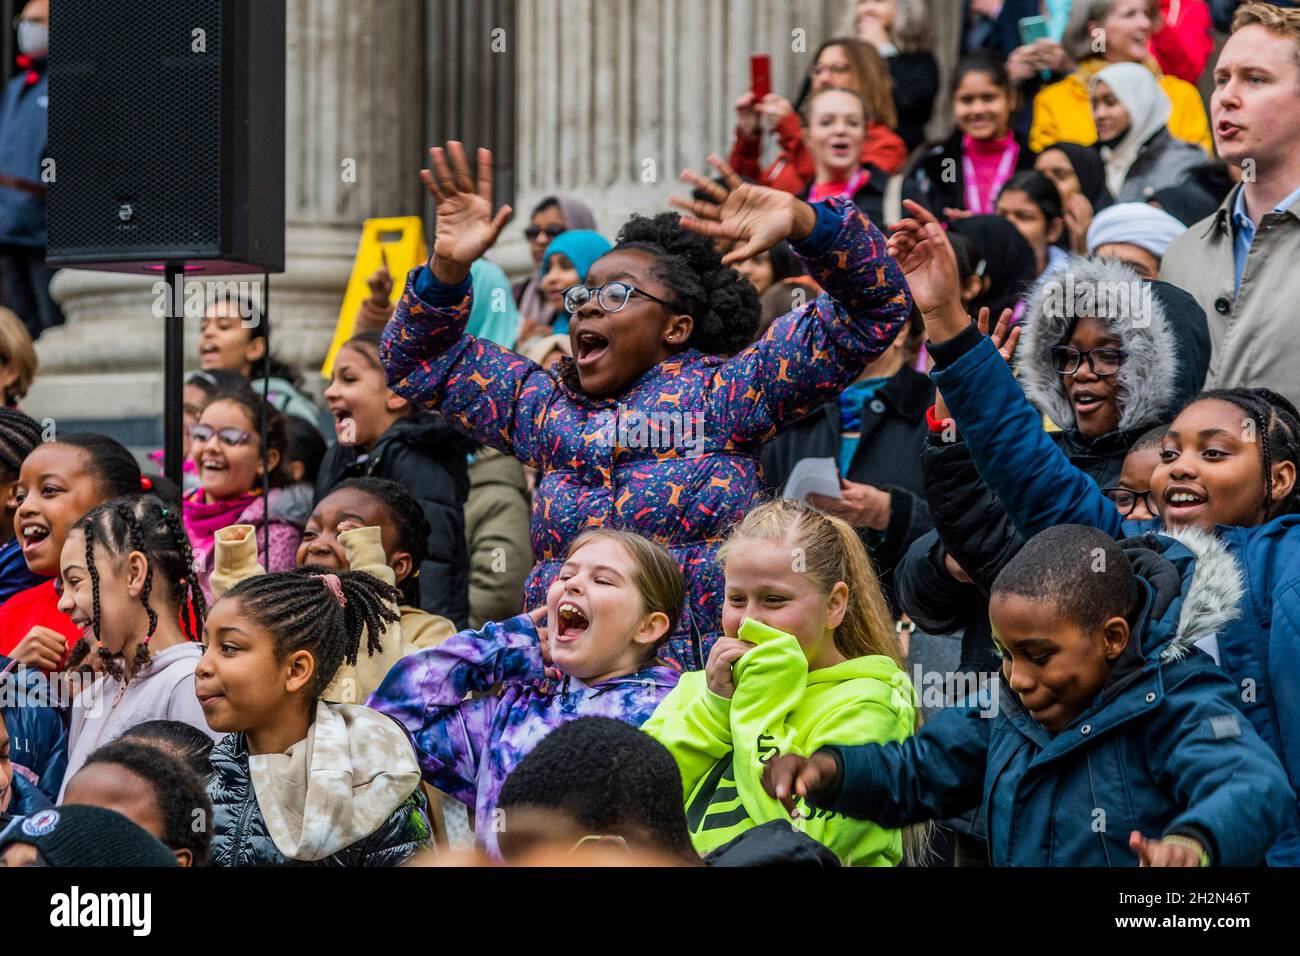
(1192, 608)
(1164, 332)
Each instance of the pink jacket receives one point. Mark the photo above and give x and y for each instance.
(203, 520)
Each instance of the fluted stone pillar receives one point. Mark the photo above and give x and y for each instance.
(617, 97)
(354, 90)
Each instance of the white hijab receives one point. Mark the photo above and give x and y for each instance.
(1148, 108)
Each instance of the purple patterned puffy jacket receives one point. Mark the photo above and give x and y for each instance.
(675, 457)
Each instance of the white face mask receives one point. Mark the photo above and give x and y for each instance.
(33, 37)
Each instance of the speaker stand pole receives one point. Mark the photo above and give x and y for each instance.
(173, 372)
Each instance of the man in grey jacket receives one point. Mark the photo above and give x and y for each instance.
(1242, 263)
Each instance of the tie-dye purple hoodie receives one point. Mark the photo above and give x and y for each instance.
(600, 465)
(467, 747)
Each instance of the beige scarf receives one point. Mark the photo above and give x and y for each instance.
(338, 785)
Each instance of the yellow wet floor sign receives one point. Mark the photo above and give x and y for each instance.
(400, 241)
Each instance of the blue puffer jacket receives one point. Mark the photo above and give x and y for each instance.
(37, 740)
(1164, 748)
(1039, 488)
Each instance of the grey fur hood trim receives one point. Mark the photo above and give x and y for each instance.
(1148, 377)
(1214, 597)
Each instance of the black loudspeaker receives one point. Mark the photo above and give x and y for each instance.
(166, 128)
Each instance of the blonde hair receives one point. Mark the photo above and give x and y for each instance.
(655, 574)
(1276, 20)
(16, 349)
(828, 550)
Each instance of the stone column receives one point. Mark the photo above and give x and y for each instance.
(353, 150)
(616, 97)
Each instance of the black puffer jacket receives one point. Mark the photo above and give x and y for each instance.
(1167, 359)
(893, 432)
(428, 457)
(240, 836)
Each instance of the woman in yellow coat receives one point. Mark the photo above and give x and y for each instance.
(1103, 32)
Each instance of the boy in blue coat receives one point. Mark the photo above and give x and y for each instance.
(1116, 741)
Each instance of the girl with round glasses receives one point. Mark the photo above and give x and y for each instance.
(226, 448)
(656, 422)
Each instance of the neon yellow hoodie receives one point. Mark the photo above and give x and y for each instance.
(779, 707)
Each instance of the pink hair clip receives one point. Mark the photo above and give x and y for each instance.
(335, 585)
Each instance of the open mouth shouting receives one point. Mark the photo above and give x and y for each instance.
(1182, 503)
(344, 425)
(213, 466)
(571, 622)
(209, 354)
(33, 534)
(1086, 402)
(842, 150)
(588, 347)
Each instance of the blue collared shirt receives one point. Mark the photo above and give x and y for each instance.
(1244, 233)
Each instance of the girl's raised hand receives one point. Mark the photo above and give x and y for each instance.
(775, 107)
(1078, 217)
(466, 227)
(754, 218)
(717, 670)
(1005, 340)
(540, 619)
(927, 260)
(747, 114)
(381, 287)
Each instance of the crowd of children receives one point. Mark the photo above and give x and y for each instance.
(533, 569)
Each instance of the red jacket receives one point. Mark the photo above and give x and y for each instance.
(1184, 46)
(38, 605)
(793, 169)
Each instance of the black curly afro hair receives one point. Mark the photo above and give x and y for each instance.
(723, 304)
(605, 777)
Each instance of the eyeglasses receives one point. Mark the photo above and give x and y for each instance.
(820, 68)
(230, 437)
(611, 297)
(532, 232)
(1126, 499)
(1103, 362)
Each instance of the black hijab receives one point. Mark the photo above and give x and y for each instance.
(1090, 170)
(1008, 260)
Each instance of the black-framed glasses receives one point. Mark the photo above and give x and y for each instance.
(611, 297)
(1126, 499)
(230, 437)
(532, 232)
(1067, 359)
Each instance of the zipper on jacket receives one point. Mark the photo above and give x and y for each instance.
(1092, 791)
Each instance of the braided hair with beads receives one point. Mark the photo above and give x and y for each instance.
(1277, 424)
(320, 611)
(144, 524)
